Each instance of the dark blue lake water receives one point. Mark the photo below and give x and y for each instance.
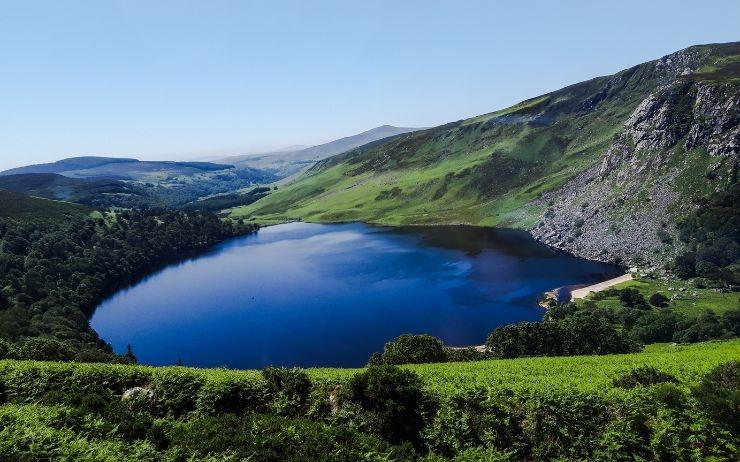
(305, 294)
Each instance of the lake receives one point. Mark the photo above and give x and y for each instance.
(304, 294)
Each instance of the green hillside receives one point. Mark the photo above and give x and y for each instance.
(570, 408)
(22, 207)
(59, 260)
(526, 165)
(59, 187)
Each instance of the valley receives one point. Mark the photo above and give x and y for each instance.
(321, 303)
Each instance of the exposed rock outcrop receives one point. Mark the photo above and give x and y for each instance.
(623, 208)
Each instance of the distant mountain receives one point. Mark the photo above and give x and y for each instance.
(290, 161)
(113, 167)
(60, 187)
(106, 181)
(70, 164)
(604, 168)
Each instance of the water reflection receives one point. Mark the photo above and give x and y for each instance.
(329, 295)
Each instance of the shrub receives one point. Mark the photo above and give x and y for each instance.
(580, 334)
(412, 349)
(643, 376)
(664, 236)
(564, 426)
(396, 400)
(288, 389)
(732, 320)
(474, 418)
(657, 326)
(227, 395)
(44, 349)
(632, 298)
(176, 390)
(272, 438)
(683, 265)
(659, 300)
(718, 395)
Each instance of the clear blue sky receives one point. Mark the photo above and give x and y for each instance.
(182, 79)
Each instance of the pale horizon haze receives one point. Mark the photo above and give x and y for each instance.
(188, 80)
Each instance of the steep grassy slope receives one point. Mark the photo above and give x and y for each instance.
(513, 167)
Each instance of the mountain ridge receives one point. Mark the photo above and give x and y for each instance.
(94, 166)
(290, 162)
(514, 167)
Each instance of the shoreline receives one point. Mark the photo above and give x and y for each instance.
(583, 292)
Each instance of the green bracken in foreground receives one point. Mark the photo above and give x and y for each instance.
(591, 374)
(535, 409)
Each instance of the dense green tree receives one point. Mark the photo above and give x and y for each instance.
(642, 376)
(580, 334)
(712, 238)
(56, 271)
(659, 300)
(411, 349)
(632, 298)
(658, 326)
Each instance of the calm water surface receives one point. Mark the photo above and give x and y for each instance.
(304, 294)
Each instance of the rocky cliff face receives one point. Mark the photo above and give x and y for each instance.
(680, 143)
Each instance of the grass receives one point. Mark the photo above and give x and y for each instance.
(336, 195)
(686, 298)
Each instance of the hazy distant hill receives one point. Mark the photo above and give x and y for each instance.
(60, 187)
(105, 181)
(112, 167)
(287, 162)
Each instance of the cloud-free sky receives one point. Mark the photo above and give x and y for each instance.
(187, 79)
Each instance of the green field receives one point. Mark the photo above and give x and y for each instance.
(686, 298)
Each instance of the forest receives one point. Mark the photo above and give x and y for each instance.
(55, 270)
